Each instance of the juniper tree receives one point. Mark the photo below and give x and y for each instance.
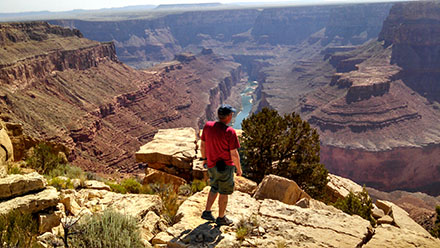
(283, 145)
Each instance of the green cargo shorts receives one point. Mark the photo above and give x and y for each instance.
(222, 181)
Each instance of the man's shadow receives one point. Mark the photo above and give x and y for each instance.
(205, 235)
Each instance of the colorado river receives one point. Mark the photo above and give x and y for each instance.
(246, 101)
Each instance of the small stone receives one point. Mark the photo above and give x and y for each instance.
(385, 220)
(303, 203)
(93, 184)
(384, 205)
(378, 213)
(261, 229)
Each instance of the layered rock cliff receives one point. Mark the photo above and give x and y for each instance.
(379, 112)
(70, 90)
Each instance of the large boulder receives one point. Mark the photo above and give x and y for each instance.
(279, 188)
(245, 185)
(16, 185)
(156, 176)
(6, 151)
(176, 147)
(31, 203)
(339, 187)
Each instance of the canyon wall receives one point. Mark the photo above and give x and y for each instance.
(378, 117)
(74, 91)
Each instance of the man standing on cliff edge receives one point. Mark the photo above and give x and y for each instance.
(219, 149)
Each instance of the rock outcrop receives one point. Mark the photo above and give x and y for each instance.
(31, 203)
(277, 223)
(6, 150)
(16, 185)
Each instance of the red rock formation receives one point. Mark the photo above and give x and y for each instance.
(83, 97)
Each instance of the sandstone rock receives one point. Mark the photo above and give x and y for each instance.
(93, 184)
(378, 213)
(384, 205)
(175, 147)
(7, 152)
(303, 203)
(136, 205)
(402, 219)
(76, 183)
(279, 188)
(16, 185)
(155, 176)
(47, 221)
(49, 240)
(162, 238)
(339, 187)
(149, 225)
(386, 219)
(31, 203)
(387, 236)
(70, 204)
(245, 185)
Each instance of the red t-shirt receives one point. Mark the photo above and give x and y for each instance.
(219, 139)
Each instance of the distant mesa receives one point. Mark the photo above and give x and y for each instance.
(187, 6)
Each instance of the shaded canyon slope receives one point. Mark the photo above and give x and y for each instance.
(64, 88)
(379, 119)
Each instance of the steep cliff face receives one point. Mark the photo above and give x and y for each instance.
(413, 31)
(376, 113)
(81, 96)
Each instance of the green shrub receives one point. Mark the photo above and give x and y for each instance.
(60, 183)
(197, 185)
(131, 186)
(245, 227)
(117, 188)
(44, 159)
(109, 229)
(359, 204)
(14, 170)
(18, 230)
(185, 190)
(283, 145)
(170, 201)
(436, 229)
(69, 171)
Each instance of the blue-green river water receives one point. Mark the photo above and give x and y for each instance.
(246, 101)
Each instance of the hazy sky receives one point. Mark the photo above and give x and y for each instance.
(7, 6)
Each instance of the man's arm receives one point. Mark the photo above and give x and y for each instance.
(236, 159)
(203, 149)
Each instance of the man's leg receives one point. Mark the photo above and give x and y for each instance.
(211, 199)
(222, 203)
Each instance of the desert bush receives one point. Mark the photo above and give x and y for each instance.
(18, 230)
(60, 183)
(14, 169)
(69, 171)
(131, 186)
(197, 185)
(109, 229)
(245, 227)
(283, 145)
(117, 188)
(436, 229)
(359, 204)
(170, 201)
(44, 159)
(185, 190)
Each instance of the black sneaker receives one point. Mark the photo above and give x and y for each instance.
(207, 215)
(223, 221)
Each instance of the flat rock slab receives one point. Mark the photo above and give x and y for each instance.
(136, 205)
(16, 185)
(282, 224)
(32, 203)
(175, 147)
